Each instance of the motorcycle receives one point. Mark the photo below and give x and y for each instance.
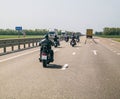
(45, 56)
(56, 43)
(66, 39)
(73, 43)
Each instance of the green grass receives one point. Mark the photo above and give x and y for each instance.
(116, 39)
(21, 36)
(110, 36)
(113, 37)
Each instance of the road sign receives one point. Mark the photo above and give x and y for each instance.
(18, 28)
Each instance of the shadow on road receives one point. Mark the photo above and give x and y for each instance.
(54, 66)
(60, 47)
(90, 39)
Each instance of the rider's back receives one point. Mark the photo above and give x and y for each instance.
(46, 42)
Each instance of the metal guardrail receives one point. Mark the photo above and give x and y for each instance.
(12, 43)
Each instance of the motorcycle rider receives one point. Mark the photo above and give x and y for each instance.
(73, 38)
(66, 38)
(56, 39)
(49, 44)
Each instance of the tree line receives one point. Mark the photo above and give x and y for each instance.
(109, 31)
(27, 32)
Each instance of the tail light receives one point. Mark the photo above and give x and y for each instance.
(44, 54)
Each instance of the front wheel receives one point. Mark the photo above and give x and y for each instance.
(44, 63)
(73, 45)
(55, 45)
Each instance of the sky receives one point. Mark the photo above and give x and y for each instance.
(70, 15)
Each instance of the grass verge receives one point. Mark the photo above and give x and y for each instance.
(113, 37)
(21, 36)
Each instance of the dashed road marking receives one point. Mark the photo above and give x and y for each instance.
(64, 67)
(73, 53)
(95, 52)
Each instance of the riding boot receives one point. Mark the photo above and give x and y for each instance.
(52, 55)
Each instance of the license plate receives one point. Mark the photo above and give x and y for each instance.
(44, 57)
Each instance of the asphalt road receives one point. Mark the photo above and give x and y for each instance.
(90, 70)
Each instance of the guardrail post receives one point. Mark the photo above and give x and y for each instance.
(18, 46)
(36, 43)
(28, 44)
(12, 48)
(4, 49)
(24, 46)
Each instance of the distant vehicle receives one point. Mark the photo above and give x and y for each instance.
(89, 33)
(63, 34)
(52, 34)
(66, 38)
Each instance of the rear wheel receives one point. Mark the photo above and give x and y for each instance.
(55, 44)
(44, 63)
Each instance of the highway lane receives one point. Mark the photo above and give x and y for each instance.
(87, 71)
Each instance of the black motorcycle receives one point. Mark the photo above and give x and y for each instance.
(45, 56)
(72, 43)
(56, 43)
(66, 39)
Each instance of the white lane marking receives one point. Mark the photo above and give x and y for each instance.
(73, 53)
(95, 52)
(114, 51)
(56, 50)
(118, 53)
(64, 67)
(18, 55)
